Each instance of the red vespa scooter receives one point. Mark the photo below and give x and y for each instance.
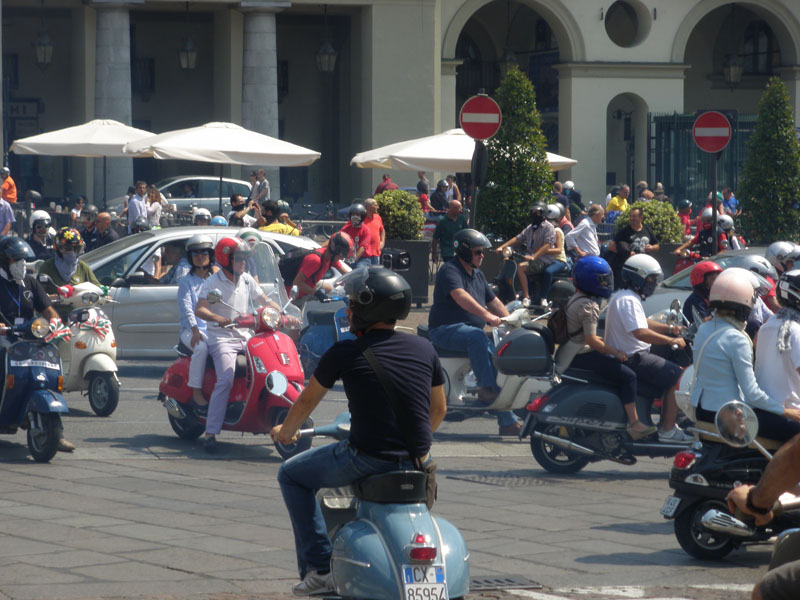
(268, 379)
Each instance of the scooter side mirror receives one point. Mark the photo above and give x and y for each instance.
(214, 296)
(43, 278)
(120, 282)
(675, 305)
(277, 383)
(737, 423)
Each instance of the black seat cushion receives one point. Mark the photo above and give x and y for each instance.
(322, 313)
(643, 389)
(394, 487)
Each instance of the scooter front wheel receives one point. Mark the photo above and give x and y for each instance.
(103, 393)
(188, 428)
(553, 458)
(289, 450)
(43, 437)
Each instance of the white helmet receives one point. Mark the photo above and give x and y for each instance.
(726, 222)
(568, 185)
(42, 216)
(250, 235)
(642, 274)
(777, 252)
(201, 213)
(706, 214)
(734, 289)
(553, 212)
(758, 264)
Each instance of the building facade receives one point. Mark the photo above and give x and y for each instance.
(402, 69)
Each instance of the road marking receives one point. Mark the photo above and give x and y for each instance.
(617, 593)
(535, 595)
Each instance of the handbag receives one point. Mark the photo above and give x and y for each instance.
(401, 415)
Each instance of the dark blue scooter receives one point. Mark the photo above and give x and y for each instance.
(327, 323)
(31, 396)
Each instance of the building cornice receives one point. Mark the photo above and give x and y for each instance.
(624, 70)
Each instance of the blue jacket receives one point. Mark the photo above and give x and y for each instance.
(725, 369)
(188, 292)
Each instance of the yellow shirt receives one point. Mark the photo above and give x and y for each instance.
(278, 227)
(617, 203)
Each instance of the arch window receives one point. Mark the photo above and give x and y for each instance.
(760, 52)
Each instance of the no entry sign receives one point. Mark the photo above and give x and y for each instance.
(711, 131)
(480, 117)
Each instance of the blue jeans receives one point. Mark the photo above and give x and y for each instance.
(366, 261)
(546, 279)
(480, 348)
(333, 465)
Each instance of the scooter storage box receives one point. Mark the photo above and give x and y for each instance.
(527, 351)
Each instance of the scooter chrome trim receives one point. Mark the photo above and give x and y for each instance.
(174, 409)
(566, 444)
(351, 561)
(721, 522)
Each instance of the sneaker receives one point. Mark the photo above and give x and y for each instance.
(486, 396)
(543, 303)
(65, 446)
(526, 302)
(676, 434)
(210, 444)
(314, 583)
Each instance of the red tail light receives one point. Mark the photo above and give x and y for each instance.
(537, 403)
(684, 459)
(424, 553)
(503, 348)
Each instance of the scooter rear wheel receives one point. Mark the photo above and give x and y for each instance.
(44, 444)
(698, 541)
(188, 428)
(103, 393)
(554, 458)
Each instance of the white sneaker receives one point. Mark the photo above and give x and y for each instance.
(676, 434)
(314, 583)
(543, 302)
(526, 302)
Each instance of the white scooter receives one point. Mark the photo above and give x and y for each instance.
(90, 357)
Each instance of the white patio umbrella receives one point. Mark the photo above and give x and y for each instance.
(449, 151)
(100, 138)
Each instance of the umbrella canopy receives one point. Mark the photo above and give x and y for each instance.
(225, 143)
(449, 151)
(98, 138)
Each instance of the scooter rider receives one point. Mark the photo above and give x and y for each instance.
(628, 329)
(66, 267)
(778, 254)
(241, 291)
(200, 252)
(704, 238)
(723, 364)
(21, 296)
(316, 264)
(378, 299)
(702, 276)
(781, 475)
(463, 303)
(38, 239)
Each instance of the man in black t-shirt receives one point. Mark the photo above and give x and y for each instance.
(378, 298)
(634, 238)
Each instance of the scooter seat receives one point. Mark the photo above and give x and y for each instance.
(423, 331)
(183, 349)
(643, 389)
(241, 365)
(322, 312)
(769, 444)
(394, 487)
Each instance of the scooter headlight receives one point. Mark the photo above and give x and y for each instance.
(270, 318)
(40, 327)
(90, 298)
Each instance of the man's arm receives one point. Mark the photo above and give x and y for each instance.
(306, 402)
(50, 313)
(383, 238)
(438, 406)
(203, 311)
(496, 307)
(648, 336)
(6, 228)
(303, 284)
(512, 242)
(469, 304)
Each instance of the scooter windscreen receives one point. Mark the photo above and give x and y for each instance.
(354, 285)
(263, 265)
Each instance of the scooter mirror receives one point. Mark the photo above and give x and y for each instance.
(737, 423)
(277, 384)
(44, 278)
(214, 296)
(675, 305)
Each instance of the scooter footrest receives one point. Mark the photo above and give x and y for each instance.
(394, 487)
(234, 411)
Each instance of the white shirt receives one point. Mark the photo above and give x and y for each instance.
(625, 314)
(584, 237)
(246, 219)
(242, 297)
(149, 265)
(776, 372)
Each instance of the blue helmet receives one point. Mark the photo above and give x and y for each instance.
(593, 275)
(219, 221)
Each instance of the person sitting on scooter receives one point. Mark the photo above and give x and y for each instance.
(316, 264)
(378, 299)
(359, 233)
(702, 276)
(240, 291)
(539, 238)
(779, 255)
(704, 238)
(629, 330)
(463, 303)
(66, 267)
(724, 365)
(781, 475)
(200, 252)
(594, 281)
(22, 297)
(766, 302)
(38, 238)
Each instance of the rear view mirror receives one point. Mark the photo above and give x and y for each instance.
(737, 423)
(214, 296)
(675, 305)
(277, 383)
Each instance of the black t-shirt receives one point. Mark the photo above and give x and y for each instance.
(412, 366)
(24, 301)
(439, 200)
(41, 251)
(635, 240)
(452, 276)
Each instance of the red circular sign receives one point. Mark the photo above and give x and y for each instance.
(711, 131)
(480, 117)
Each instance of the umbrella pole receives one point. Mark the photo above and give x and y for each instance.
(105, 193)
(220, 189)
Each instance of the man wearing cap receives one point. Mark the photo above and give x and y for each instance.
(8, 190)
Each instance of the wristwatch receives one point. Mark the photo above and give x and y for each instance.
(751, 507)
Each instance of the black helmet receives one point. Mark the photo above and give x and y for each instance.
(538, 208)
(14, 248)
(788, 289)
(441, 184)
(468, 239)
(140, 224)
(358, 210)
(89, 211)
(685, 203)
(341, 244)
(376, 295)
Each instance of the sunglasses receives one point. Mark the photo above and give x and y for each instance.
(478, 252)
(239, 259)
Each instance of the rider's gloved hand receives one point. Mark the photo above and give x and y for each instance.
(321, 296)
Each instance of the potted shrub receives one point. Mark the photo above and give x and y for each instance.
(663, 220)
(403, 220)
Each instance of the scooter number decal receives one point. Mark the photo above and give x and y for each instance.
(32, 363)
(670, 506)
(424, 583)
(344, 325)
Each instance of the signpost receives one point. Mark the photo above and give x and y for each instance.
(480, 118)
(712, 132)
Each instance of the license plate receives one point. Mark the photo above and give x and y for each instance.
(344, 324)
(670, 506)
(424, 583)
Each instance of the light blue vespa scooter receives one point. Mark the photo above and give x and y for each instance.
(386, 544)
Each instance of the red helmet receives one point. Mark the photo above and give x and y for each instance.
(701, 269)
(226, 248)
(341, 244)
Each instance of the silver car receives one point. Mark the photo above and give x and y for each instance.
(145, 316)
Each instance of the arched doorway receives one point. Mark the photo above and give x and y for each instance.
(626, 140)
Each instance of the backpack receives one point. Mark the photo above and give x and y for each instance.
(557, 323)
(289, 263)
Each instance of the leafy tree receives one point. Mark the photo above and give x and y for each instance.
(658, 216)
(518, 171)
(401, 214)
(769, 190)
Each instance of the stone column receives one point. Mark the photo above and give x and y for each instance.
(791, 77)
(449, 108)
(112, 95)
(260, 75)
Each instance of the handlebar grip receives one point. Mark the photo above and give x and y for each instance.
(304, 433)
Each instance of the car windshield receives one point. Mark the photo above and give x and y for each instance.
(681, 280)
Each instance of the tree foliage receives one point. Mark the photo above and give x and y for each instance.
(401, 214)
(658, 216)
(769, 189)
(518, 173)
